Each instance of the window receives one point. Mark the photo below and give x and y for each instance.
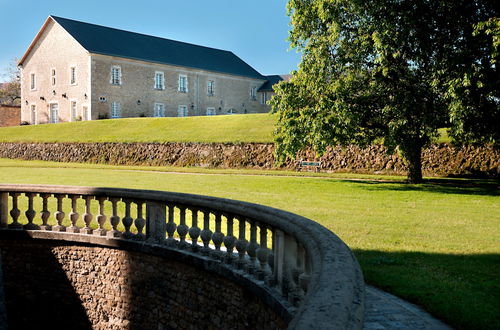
(159, 80)
(72, 75)
(183, 83)
(102, 99)
(210, 88)
(53, 113)
(253, 93)
(33, 115)
(159, 110)
(263, 98)
(116, 75)
(73, 110)
(210, 111)
(182, 111)
(53, 77)
(115, 110)
(32, 81)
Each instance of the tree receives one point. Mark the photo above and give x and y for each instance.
(391, 70)
(10, 91)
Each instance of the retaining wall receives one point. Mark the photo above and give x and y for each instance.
(66, 285)
(442, 159)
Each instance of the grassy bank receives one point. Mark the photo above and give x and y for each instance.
(207, 129)
(256, 128)
(435, 244)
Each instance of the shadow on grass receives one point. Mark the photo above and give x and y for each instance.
(488, 187)
(461, 290)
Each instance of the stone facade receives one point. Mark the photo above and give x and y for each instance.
(62, 81)
(54, 52)
(58, 285)
(10, 115)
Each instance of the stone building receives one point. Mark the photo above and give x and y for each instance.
(10, 115)
(79, 71)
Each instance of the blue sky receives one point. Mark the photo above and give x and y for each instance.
(255, 30)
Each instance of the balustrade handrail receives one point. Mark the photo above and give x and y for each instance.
(309, 264)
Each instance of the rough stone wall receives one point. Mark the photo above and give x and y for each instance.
(230, 92)
(442, 160)
(10, 115)
(57, 286)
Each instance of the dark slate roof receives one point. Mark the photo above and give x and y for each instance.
(271, 81)
(108, 41)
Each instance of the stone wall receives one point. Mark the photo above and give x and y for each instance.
(442, 159)
(10, 115)
(57, 285)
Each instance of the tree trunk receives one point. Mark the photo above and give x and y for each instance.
(414, 159)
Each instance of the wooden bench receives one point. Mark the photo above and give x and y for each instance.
(310, 166)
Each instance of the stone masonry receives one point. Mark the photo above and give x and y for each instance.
(442, 160)
(54, 285)
(10, 115)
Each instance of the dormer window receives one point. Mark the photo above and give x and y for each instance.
(159, 80)
(116, 75)
(53, 77)
(183, 83)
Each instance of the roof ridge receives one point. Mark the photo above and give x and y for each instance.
(138, 33)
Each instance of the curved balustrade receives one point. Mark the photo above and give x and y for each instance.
(313, 272)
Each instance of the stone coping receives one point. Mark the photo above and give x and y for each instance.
(335, 295)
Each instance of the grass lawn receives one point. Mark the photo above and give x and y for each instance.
(206, 129)
(435, 244)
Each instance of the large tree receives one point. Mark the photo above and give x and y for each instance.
(391, 70)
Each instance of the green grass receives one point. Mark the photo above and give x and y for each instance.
(435, 244)
(206, 129)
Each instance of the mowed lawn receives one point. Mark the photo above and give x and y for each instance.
(249, 128)
(206, 129)
(436, 244)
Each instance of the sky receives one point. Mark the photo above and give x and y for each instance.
(255, 30)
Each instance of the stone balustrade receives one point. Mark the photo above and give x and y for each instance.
(302, 267)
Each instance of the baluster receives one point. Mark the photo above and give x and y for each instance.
(182, 229)
(127, 219)
(303, 278)
(45, 214)
(155, 222)
(241, 243)
(59, 214)
(4, 209)
(87, 217)
(15, 212)
(218, 236)
(263, 254)
(206, 233)
(114, 219)
(30, 213)
(229, 240)
(73, 216)
(194, 231)
(252, 248)
(139, 221)
(100, 218)
(171, 226)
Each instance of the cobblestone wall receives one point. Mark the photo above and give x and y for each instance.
(53, 285)
(442, 159)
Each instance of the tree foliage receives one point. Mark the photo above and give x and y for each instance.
(391, 70)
